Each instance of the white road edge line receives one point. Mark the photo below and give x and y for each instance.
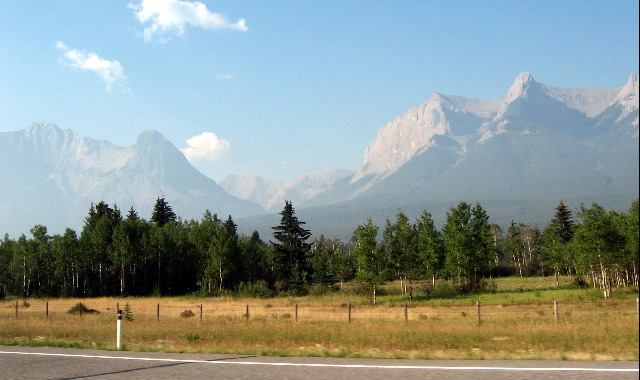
(329, 365)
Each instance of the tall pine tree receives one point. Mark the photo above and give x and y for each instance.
(291, 266)
(162, 213)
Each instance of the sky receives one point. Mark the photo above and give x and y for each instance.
(288, 87)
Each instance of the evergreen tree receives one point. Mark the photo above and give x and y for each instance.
(563, 223)
(162, 213)
(132, 214)
(292, 269)
(556, 252)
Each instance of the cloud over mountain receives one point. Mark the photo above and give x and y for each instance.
(207, 147)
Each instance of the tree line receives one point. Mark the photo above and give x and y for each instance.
(116, 255)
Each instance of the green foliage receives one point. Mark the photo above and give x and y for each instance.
(291, 264)
(162, 213)
(113, 256)
(371, 259)
(127, 314)
(468, 245)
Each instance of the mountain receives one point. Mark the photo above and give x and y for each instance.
(51, 177)
(272, 194)
(518, 155)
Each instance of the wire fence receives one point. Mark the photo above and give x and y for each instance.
(146, 310)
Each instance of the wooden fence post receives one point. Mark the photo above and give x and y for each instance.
(556, 311)
(247, 314)
(296, 313)
(201, 312)
(406, 312)
(46, 309)
(478, 311)
(16, 309)
(158, 312)
(349, 312)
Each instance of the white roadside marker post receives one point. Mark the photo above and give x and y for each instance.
(119, 330)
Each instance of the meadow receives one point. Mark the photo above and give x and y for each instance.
(516, 320)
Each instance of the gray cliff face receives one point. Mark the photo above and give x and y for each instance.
(518, 155)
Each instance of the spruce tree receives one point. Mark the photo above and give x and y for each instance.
(292, 269)
(162, 213)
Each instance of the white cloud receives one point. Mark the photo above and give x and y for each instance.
(172, 16)
(111, 72)
(207, 147)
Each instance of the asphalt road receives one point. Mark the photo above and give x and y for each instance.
(58, 363)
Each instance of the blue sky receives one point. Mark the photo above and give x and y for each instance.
(283, 88)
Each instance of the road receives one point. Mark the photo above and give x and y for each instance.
(58, 363)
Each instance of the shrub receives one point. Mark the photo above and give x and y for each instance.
(187, 314)
(259, 289)
(80, 309)
(127, 315)
(580, 282)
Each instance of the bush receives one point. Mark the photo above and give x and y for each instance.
(258, 289)
(187, 314)
(580, 282)
(80, 309)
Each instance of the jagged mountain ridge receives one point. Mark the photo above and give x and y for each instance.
(272, 194)
(518, 155)
(54, 175)
(452, 128)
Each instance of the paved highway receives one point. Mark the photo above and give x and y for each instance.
(58, 363)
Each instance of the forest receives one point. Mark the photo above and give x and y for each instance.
(116, 255)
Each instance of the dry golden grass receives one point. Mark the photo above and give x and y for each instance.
(594, 330)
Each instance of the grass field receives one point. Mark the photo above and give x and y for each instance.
(517, 321)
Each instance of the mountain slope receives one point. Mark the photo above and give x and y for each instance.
(55, 175)
(272, 194)
(518, 155)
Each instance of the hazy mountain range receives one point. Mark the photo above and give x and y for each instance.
(518, 155)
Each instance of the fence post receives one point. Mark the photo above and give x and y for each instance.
(478, 311)
(349, 312)
(556, 311)
(296, 313)
(16, 309)
(201, 312)
(406, 312)
(158, 312)
(247, 315)
(46, 309)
